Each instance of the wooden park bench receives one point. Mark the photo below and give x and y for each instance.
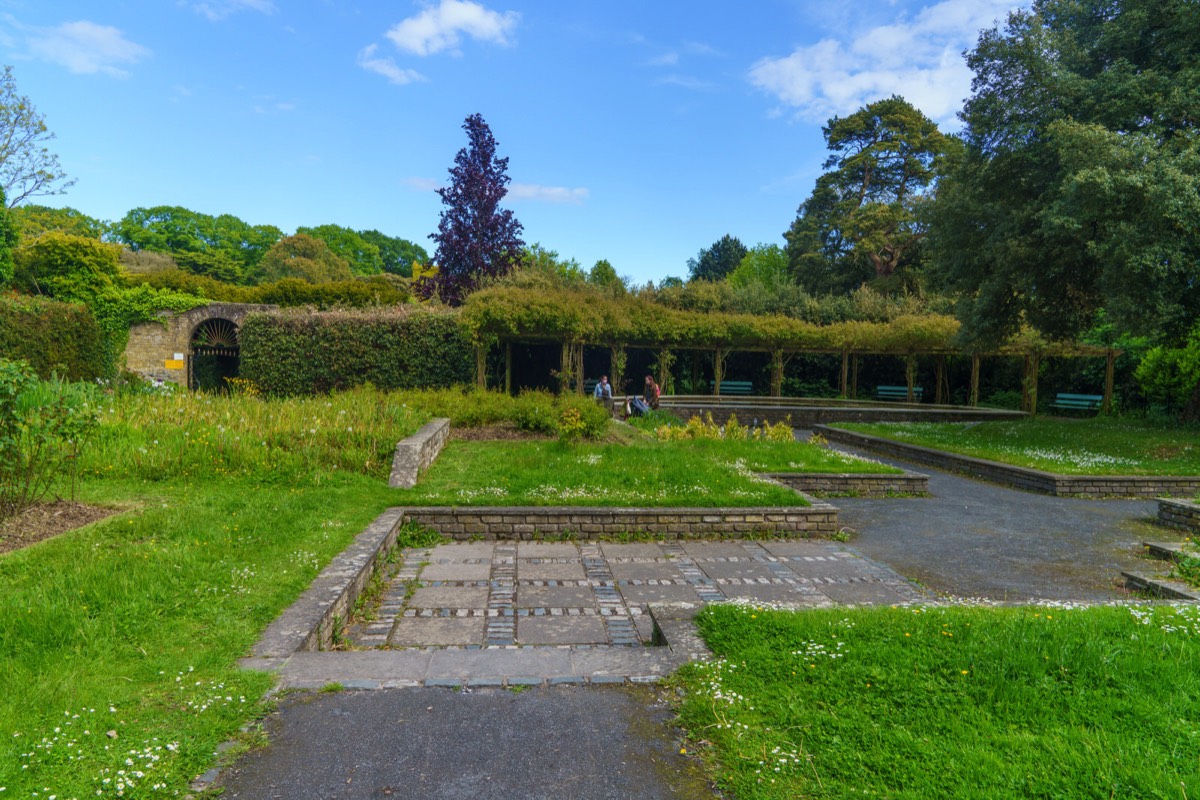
(898, 393)
(745, 388)
(1077, 402)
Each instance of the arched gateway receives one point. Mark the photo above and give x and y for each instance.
(198, 348)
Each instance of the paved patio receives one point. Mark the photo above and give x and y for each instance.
(598, 594)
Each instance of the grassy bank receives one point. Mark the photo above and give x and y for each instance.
(119, 641)
(695, 473)
(949, 703)
(1100, 446)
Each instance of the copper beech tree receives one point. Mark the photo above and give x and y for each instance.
(476, 238)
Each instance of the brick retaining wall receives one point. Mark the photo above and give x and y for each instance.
(1021, 477)
(1179, 512)
(529, 522)
(875, 484)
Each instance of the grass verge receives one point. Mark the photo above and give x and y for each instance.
(949, 702)
(694, 473)
(1100, 446)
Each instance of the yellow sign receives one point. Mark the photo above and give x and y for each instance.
(173, 363)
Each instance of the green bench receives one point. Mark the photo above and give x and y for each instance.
(733, 387)
(898, 393)
(1077, 402)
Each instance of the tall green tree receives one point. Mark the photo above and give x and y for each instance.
(1080, 186)
(65, 266)
(362, 256)
(27, 167)
(766, 264)
(175, 230)
(33, 220)
(864, 217)
(397, 255)
(714, 263)
(305, 257)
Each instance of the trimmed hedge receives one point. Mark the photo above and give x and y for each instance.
(294, 353)
(52, 337)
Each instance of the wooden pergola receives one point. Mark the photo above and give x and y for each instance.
(572, 377)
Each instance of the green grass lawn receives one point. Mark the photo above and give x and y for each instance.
(949, 702)
(134, 625)
(1100, 446)
(703, 473)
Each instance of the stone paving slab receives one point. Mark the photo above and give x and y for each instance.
(470, 614)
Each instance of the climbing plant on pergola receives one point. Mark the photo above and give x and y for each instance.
(575, 319)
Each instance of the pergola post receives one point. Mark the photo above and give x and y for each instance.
(1029, 384)
(579, 368)
(973, 400)
(508, 368)
(665, 360)
(616, 366)
(718, 371)
(844, 383)
(480, 367)
(1109, 368)
(910, 375)
(939, 395)
(854, 377)
(776, 373)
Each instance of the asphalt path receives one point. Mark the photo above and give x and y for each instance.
(565, 743)
(975, 539)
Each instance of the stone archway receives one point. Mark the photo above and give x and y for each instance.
(214, 354)
(168, 349)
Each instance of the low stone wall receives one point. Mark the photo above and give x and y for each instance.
(810, 416)
(1179, 512)
(310, 622)
(417, 452)
(530, 522)
(875, 484)
(1020, 477)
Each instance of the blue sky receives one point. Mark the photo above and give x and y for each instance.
(639, 132)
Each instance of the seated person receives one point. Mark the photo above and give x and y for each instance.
(603, 389)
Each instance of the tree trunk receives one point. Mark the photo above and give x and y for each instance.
(1192, 412)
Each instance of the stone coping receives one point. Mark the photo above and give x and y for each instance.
(807, 416)
(310, 622)
(866, 484)
(1161, 587)
(1179, 512)
(1034, 480)
(417, 452)
(593, 522)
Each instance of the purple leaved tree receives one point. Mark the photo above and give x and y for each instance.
(475, 238)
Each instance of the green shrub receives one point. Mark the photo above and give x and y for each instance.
(589, 418)
(305, 353)
(42, 425)
(52, 337)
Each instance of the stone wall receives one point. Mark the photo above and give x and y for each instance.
(310, 622)
(415, 454)
(153, 346)
(1032, 480)
(1179, 512)
(876, 484)
(530, 522)
(805, 416)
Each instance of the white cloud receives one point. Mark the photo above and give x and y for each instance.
(217, 10)
(919, 58)
(422, 184)
(85, 47)
(686, 82)
(547, 194)
(439, 27)
(386, 67)
(665, 60)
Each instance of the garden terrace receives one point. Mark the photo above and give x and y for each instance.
(574, 320)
